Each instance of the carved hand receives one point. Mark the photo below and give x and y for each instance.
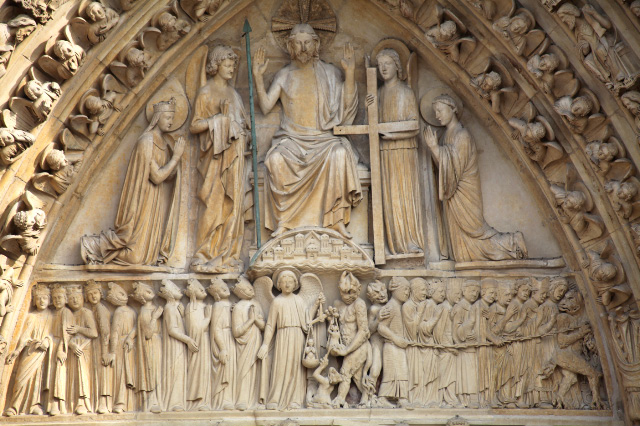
(370, 99)
(192, 345)
(128, 344)
(178, 149)
(157, 312)
(62, 357)
(252, 313)
(259, 63)
(401, 343)
(108, 359)
(224, 107)
(224, 356)
(349, 60)
(262, 352)
(12, 357)
(430, 137)
(72, 329)
(384, 314)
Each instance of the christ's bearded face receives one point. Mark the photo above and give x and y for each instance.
(303, 47)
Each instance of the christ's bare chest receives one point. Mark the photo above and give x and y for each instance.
(300, 97)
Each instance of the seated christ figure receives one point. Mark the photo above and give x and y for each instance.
(311, 177)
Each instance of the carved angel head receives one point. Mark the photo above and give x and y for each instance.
(448, 31)
(581, 106)
(568, 14)
(217, 57)
(631, 101)
(56, 160)
(549, 62)
(96, 11)
(635, 8)
(377, 292)
(287, 282)
(389, 64)
(27, 220)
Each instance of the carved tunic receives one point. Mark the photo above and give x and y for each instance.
(288, 317)
(395, 371)
(174, 359)
(34, 367)
(224, 384)
(311, 177)
(471, 237)
(247, 346)
(466, 360)
(199, 367)
(81, 367)
(124, 374)
(62, 318)
(102, 375)
(401, 200)
(149, 352)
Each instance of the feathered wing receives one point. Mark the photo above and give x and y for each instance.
(310, 288)
(263, 288)
(42, 182)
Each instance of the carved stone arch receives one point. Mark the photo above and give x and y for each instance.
(61, 212)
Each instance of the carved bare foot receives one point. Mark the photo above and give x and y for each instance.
(36, 410)
(342, 230)
(10, 412)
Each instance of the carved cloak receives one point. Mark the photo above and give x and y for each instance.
(471, 237)
(145, 232)
(248, 344)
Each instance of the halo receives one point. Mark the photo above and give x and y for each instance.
(397, 45)
(276, 274)
(426, 104)
(171, 89)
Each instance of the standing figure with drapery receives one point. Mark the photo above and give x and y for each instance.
(34, 367)
(289, 318)
(472, 239)
(102, 374)
(222, 124)
(62, 318)
(147, 220)
(401, 200)
(149, 347)
(197, 318)
(223, 347)
(310, 177)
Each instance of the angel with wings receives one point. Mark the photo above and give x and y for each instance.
(132, 63)
(537, 137)
(196, 9)
(625, 197)
(96, 106)
(574, 203)
(68, 57)
(447, 36)
(289, 319)
(41, 97)
(581, 112)
(22, 225)
(171, 27)
(13, 142)
(610, 158)
(57, 171)
(496, 85)
(552, 71)
(101, 20)
(518, 28)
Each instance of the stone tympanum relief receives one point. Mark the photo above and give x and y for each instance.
(405, 300)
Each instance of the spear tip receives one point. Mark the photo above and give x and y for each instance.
(247, 28)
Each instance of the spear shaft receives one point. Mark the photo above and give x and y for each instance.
(254, 147)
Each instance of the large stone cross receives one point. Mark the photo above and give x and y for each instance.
(373, 129)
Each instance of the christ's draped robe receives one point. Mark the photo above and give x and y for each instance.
(472, 239)
(399, 168)
(311, 177)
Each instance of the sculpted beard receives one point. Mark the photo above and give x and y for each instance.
(304, 57)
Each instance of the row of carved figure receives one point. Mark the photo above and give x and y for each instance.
(522, 343)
